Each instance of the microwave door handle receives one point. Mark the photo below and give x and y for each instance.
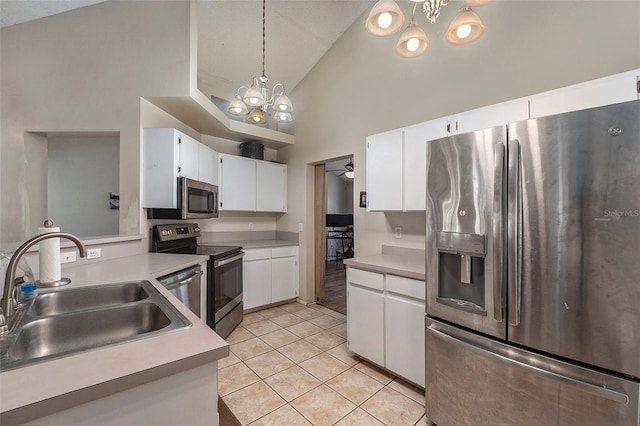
(514, 233)
(498, 234)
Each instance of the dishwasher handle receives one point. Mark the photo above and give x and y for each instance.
(185, 281)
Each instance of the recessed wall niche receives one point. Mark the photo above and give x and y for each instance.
(82, 182)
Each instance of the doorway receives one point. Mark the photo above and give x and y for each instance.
(334, 231)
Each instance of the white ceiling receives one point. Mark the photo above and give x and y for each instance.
(298, 33)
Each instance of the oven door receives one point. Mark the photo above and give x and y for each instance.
(198, 199)
(226, 286)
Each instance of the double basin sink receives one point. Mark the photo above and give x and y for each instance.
(66, 322)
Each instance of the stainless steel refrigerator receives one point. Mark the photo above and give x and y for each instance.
(533, 272)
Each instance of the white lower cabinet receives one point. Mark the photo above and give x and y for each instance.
(385, 322)
(365, 323)
(270, 275)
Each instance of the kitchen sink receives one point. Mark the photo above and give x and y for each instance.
(67, 322)
(59, 302)
(61, 334)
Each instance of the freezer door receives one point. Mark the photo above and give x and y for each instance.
(473, 380)
(464, 240)
(574, 236)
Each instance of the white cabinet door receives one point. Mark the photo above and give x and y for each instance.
(384, 171)
(207, 165)
(160, 168)
(189, 151)
(489, 116)
(404, 337)
(284, 278)
(271, 190)
(603, 91)
(237, 183)
(365, 323)
(415, 160)
(256, 280)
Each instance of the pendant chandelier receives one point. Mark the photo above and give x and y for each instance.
(255, 100)
(386, 18)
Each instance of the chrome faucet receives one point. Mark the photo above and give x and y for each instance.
(8, 302)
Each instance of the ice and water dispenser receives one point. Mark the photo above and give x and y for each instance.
(461, 278)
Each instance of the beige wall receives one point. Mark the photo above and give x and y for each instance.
(82, 71)
(361, 87)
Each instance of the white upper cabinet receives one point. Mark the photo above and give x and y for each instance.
(489, 116)
(396, 166)
(189, 152)
(384, 171)
(603, 91)
(252, 185)
(167, 155)
(237, 183)
(271, 187)
(207, 165)
(415, 161)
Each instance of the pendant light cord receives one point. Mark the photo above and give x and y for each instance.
(264, 8)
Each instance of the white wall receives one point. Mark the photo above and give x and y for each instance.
(82, 172)
(82, 71)
(528, 47)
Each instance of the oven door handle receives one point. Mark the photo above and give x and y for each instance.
(185, 281)
(226, 261)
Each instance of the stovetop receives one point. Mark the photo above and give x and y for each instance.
(181, 238)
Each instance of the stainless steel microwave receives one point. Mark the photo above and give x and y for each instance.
(195, 200)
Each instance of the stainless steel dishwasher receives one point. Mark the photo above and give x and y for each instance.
(186, 286)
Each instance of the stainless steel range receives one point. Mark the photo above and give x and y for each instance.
(224, 272)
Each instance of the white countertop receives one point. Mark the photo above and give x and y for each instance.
(54, 385)
(409, 265)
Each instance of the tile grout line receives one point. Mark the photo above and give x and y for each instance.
(350, 367)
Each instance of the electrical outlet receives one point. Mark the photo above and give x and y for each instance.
(398, 232)
(67, 257)
(300, 227)
(94, 253)
(250, 226)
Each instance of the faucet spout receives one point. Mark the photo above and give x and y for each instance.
(8, 302)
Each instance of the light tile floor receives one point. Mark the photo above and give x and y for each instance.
(289, 365)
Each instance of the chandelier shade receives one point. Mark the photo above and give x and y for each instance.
(413, 42)
(385, 18)
(465, 28)
(256, 116)
(253, 97)
(237, 106)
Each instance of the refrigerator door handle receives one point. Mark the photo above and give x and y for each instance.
(514, 233)
(598, 391)
(498, 226)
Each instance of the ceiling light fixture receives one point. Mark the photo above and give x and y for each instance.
(257, 96)
(386, 18)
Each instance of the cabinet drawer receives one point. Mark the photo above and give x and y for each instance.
(365, 278)
(284, 251)
(257, 254)
(406, 287)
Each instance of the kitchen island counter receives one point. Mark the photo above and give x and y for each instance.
(49, 387)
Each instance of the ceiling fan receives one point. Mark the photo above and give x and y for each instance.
(347, 171)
